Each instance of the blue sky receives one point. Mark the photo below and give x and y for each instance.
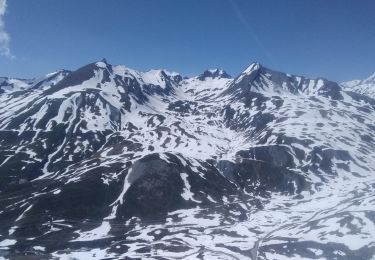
(334, 39)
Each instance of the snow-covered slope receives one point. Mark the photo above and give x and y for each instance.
(109, 162)
(10, 84)
(364, 87)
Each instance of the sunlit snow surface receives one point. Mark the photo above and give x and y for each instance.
(327, 225)
(365, 87)
(333, 217)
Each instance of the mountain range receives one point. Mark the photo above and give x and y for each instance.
(106, 162)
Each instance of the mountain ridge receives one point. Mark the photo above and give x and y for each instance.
(364, 87)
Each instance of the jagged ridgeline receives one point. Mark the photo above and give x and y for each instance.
(110, 162)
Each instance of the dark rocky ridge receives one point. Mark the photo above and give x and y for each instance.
(216, 73)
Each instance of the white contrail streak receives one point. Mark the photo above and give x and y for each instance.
(251, 31)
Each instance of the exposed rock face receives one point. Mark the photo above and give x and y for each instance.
(120, 163)
(214, 74)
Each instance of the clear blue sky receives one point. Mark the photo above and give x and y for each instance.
(334, 39)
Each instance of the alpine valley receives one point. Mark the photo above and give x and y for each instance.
(107, 162)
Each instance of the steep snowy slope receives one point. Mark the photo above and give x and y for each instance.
(106, 161)
(364, 87)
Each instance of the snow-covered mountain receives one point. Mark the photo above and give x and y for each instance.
(364, 87)
(11, 84)
(109, 162)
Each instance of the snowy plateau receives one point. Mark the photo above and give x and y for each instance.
(107, 162)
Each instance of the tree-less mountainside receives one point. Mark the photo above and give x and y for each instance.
(107, 162)
(365, 87)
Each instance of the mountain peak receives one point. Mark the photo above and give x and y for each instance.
(249, 73)
(252, 67)
(160, 77)
(257, 78)
(102, 63)
(370, 79)
(364, 87)
(59, 71)
(214, 73)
